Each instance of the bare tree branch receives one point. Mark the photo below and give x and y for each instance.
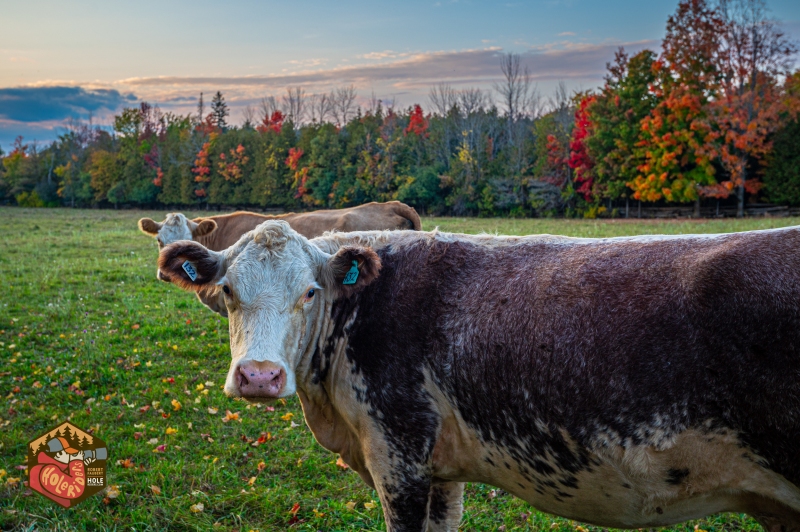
(294, 103)
(442, 98)
(343, 104)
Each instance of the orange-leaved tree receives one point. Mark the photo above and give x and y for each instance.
(678, 143)
(749, 107)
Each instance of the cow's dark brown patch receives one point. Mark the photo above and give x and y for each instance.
(676, 476)
(172, 257)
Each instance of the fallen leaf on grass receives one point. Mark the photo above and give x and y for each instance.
(231, 417)
(125, 463)
(370, 505)
(112, 492)
(156, 490)
(213, 411)
(295, 508)
(170, 430)
(144, 409)
(261, 466)
(287, 416)
(340, 463)
(12, 482)
(351, 505)
(251, 481)
(317, 513)
(197, 508)
(160, 449)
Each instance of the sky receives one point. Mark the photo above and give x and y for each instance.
(62, 61)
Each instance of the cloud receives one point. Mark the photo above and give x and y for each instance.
(38, 104)
(39, 133)
(556, 61)
(566, 33)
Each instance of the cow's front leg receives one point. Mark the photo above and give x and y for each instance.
(445, 506)
(404, 496)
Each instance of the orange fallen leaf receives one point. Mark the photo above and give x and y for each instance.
(340, 463)
(156, 490)
(125, 463)
(229, 416)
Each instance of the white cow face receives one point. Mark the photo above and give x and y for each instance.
(275, 284)
(175, 227)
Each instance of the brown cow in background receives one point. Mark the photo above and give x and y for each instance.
(220, 232)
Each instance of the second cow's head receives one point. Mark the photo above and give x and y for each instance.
(276, 285)
(175, 227)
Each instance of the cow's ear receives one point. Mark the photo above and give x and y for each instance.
(149, 227)
(204, 227)
(352, 268)
(189, 264)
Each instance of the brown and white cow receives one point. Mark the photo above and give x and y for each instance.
(220, 232)
(625, 382)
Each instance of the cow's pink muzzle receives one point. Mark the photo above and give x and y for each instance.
(260, 379)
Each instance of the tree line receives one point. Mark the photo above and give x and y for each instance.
(712, 117)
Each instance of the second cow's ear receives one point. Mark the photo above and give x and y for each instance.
(149, 226)
(352, 268)
(189, 264)
(204, 227)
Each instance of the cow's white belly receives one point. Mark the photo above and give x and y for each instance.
(695, 474)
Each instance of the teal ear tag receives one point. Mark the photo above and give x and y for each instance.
(352, 275)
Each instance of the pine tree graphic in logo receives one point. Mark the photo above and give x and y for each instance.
(67, 465)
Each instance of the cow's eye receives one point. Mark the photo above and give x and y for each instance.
(226, 289)
(310, 294)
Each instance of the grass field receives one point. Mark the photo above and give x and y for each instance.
(80, 304)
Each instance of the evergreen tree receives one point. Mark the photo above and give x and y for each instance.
(219, 110)
(201, 109)
(782, 178)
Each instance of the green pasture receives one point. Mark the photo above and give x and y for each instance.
(87, 333)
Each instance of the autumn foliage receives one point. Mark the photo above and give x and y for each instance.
(711, 117)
